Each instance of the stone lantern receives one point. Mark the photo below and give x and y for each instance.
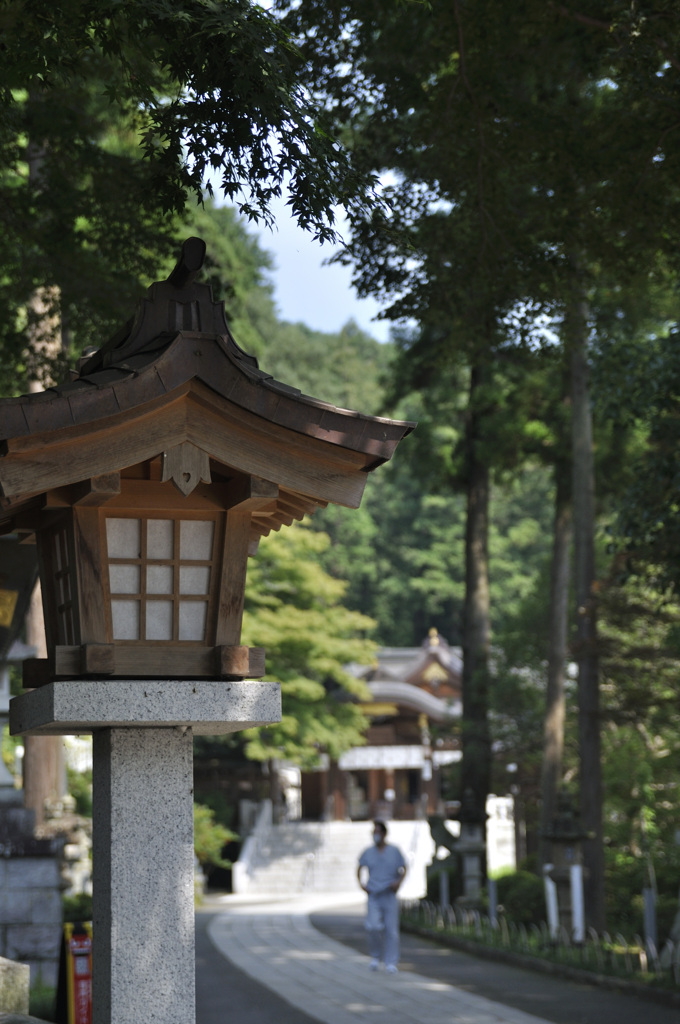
(147, 480)
(565, 834)
(471, 847)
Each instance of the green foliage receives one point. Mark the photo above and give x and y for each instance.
(522, 897)
(223, 810)
(114, 120)
(9, 746)
(80, 788)
(520, 546)
(517, 709)
(402, 552)
(210, 838)
(402, 556)
(42, 1002)
(626, 876)
(207, 90)
(16, 683)
(649, 523)
(477, 110)
(77, 908)
(294, 609)
(640, 659)
(71, 180)
(345, 369)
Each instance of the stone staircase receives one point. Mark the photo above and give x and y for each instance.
(305, 857)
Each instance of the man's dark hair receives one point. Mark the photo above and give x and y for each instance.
(381, 825)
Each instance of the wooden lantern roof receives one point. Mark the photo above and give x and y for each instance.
(172, 396)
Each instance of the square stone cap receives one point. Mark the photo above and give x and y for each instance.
(208, 707)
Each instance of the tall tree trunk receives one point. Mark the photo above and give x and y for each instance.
(44, 761)
(43, 766)
(576, 324)
(553, 724)
(476, 765)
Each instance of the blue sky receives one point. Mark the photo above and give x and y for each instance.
(305, 290)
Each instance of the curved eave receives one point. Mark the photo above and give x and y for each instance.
(231, 437)
(416, 699)
(173, 361)
(192, 388)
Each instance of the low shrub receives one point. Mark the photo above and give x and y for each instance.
(522, 897)
(42, 1003)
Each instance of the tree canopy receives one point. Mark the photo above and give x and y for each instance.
(294, 609)
(208, 90)
(115, 118)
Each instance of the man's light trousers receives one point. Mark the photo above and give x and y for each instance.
(382, 926)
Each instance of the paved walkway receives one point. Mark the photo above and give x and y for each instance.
(244, 944)
(331, 982)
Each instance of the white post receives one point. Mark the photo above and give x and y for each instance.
(551, 902)
(578, 912)
(143, 866)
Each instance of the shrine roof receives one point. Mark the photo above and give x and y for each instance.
(426, 679)
(179, 346)
(408, 695)
(413, 664)
(121, 382)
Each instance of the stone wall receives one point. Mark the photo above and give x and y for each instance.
(30, 893)
(30, 915)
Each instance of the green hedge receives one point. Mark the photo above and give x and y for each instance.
(522, 897)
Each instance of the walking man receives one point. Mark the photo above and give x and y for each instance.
(380, 872)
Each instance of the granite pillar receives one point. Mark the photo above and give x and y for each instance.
(143, 855)
(143, 893)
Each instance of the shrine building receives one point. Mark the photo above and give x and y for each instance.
(414, 709)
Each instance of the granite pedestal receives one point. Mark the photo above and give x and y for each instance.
(143, 859)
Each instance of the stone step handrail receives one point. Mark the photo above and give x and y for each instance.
(243, 867)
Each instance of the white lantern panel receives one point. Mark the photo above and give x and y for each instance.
(124, 579)
(159, 620)
(123, 537)
(125, 619)
(192, 619)
(159, 579)
(196, 540)
(159, 538)
(194, 579)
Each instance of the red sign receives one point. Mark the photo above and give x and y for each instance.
(79, 974)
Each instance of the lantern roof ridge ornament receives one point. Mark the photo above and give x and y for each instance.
(177, 304)
(174, 376)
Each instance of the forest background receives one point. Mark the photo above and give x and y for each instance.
(526, 222)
